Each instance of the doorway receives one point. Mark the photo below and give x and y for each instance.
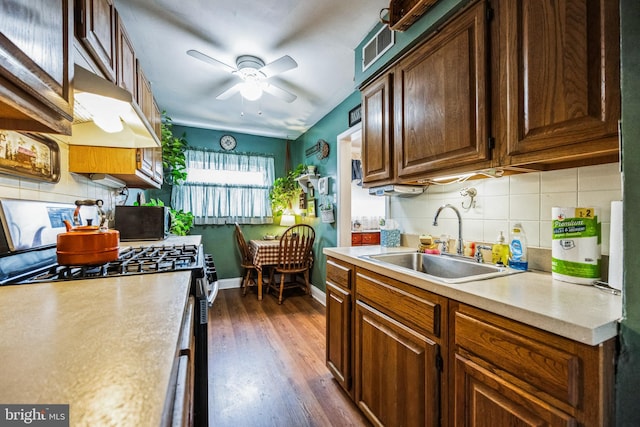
(349, 145)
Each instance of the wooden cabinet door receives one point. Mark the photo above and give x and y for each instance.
(396, 375)
(36, 66)
(339, 317)
(96, 30)
(560, 79)
(127, 73)
(339, 334)
(483, 399)
(144, 95)
(440, 102)
(145, 160)
(377, 126)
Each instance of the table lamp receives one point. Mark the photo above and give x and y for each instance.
(287, 220)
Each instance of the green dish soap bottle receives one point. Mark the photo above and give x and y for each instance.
(500, 251)
(518, 248)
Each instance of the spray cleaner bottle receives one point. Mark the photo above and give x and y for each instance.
(518, 248)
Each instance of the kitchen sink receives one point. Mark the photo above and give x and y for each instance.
(445, 268)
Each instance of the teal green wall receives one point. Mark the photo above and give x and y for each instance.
(628, 375)
(219, 240)
(328, 129)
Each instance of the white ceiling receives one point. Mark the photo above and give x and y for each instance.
(320, 35)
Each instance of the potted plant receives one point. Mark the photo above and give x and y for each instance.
(285, 191)
(181, 222)
(173, 149)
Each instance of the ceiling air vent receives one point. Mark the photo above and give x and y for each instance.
(379, 44)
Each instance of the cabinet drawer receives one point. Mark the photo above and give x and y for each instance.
(339, 273)
(370, 238)
(418, 308)
(356, 239)
(544, 361)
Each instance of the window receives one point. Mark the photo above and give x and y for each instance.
(223, 188)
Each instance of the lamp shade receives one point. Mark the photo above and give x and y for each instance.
(287, 220)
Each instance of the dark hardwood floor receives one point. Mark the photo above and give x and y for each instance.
(267, 364)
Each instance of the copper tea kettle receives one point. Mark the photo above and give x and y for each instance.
(88, 244)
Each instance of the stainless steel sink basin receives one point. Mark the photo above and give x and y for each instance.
(449, 269)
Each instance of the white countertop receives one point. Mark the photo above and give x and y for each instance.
(104, 346)
(581, 313)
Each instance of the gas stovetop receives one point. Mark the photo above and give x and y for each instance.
(134, 260)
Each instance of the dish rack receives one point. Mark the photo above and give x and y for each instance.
(403, 13)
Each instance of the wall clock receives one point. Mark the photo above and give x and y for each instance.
(227, 142)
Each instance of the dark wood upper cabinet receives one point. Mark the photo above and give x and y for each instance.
(36, 66)
(516, 85)
(96, 30)
(126, 75)
(440, 102)
(558, 77)
(377, 112)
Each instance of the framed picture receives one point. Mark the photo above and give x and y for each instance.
(355, 115)
(29, 156)
(302, 201)
(311, 208)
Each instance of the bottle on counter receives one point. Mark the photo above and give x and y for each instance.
(518, 248)
(500, 251)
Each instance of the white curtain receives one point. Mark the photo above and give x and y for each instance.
(226, 202)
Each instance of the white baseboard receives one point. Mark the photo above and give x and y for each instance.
(234, 283)
(319, 295)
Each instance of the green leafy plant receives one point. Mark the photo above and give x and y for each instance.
(181, 222)
(285, 191)
(173, 148)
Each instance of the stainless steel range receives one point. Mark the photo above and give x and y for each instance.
(28, 256)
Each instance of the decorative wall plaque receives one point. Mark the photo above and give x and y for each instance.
(29, 156)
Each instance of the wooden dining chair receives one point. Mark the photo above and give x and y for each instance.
(294, 256)
(248, 268)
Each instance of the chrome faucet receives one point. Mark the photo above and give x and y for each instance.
(435, 223)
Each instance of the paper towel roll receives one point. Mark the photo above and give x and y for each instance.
(575, 245)
(615, 246)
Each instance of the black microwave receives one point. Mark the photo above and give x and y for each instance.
(142, 222)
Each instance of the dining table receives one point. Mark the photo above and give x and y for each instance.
(264, 253)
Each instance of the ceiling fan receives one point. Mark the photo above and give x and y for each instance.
(253, 75)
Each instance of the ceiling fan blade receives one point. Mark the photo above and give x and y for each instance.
(278, 66)
(278, 92)
(229, 91)
(206, 58)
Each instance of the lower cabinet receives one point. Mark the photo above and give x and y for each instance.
(397, 376)
(507, 373)
(339, 322)
(409, 357)
(398, 347)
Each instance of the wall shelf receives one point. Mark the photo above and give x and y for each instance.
(304, 181)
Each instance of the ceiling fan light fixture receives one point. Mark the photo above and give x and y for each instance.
(251, 90)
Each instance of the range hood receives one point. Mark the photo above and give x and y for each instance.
(99, 103)
(397, 190)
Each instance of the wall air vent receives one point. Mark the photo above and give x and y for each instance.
(378, 45)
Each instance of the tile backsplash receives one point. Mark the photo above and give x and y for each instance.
(501, 202)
